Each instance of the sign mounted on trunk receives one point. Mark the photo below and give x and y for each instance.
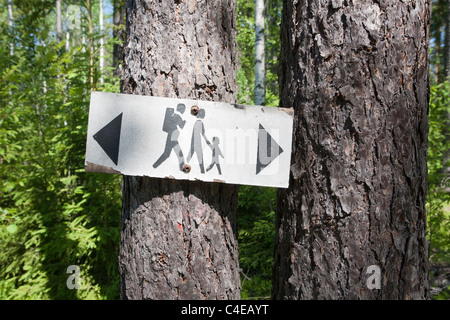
(189, 140)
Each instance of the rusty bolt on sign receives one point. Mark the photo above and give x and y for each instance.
(186, 168)
(195, 110)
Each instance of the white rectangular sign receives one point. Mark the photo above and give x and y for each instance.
(188, 140)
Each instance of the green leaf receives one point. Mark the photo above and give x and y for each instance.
(12, 228)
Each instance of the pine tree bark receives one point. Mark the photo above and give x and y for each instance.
(179, 238)
(356, 74)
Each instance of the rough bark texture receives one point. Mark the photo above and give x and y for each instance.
(179, 238)
(356, 73)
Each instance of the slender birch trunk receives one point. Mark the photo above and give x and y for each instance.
(90, 41)
(102, 42)
(260, 77)
(67, 31)
(11, 25)
(58, 20)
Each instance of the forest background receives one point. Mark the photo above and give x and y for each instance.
(54, 215)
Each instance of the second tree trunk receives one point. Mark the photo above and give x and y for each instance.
(356, 73)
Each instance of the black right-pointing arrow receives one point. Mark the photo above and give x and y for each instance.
(109, 138)
(268, 149)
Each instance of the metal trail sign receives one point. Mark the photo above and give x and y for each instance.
(188, 140)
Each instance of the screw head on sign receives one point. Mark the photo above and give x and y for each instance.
(195, 110)
(186, 168)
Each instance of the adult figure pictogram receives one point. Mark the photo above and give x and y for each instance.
(172, 121)
(196, 142)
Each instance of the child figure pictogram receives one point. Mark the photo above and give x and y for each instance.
(215, 155)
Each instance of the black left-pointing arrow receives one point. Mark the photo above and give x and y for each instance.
(109, 138)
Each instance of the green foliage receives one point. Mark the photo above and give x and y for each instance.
(437, 32)
(256, 205)
(444, 294)
(52, 213)
(438, 197)
(438, 193)
(256, 221)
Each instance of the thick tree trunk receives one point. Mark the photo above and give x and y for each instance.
(356, 73)
(179, 238)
